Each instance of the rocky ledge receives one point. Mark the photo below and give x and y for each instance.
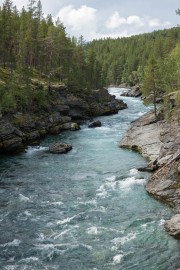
(65, 111)
(159, 142)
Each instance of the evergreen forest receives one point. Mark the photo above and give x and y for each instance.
(34, 49)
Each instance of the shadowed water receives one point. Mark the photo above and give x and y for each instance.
(87, 209)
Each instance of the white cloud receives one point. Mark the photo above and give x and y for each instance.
(135, 20)
(115, 21)
(157, 23)
(81, 20)
(154, 23)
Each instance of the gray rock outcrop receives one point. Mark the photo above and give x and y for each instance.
(143, 136)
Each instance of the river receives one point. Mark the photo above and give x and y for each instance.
(87, 209)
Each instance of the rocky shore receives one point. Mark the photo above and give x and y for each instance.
(64, 111)
(159, 142)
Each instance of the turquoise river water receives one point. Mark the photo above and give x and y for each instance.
(87, 209)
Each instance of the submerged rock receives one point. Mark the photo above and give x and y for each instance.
(95, 124)
(172, 226)
(59, 148)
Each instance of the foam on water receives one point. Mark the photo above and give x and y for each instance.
(27, 213)
(111, 178)
(91, 202)
(104, 128)
(145, 225)
(100, 209)
(14, 243)
(140, 114)
(11, 267)
(101, 192)
(130, 181)
(117, 259)
(120, 241)
(68, 220)
(61, 234)
(29, 260)
(23, 198)
(47, 203)
(57, 203)
(111, 185)
(92, 230)
(161, 222)
(33, 149)
(133, 172)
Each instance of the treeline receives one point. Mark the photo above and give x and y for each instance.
(33, 44)
(123, 60)
(150, 60)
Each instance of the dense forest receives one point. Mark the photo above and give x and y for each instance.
(150, 60)
(35, 48)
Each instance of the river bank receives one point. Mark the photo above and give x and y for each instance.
(159, 141)
(64, 111)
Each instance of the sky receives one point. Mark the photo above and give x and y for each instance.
(94, 19)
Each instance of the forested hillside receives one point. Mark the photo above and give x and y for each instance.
(123, 60)
(150, 60)
(34, 48)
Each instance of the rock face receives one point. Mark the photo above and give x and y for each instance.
(59, 148)
(132, 92)
(11, 139)
(172, 226)
(143, 136)
(95, 124)
(160, 143)
(65, 111)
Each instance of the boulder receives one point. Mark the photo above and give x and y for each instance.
(59, 148)
(172, 226)
(95, 124)
(70, 126)
(132, 92)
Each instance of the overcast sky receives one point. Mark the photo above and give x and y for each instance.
(110, 18)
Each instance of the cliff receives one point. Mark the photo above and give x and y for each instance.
(63, 111)
(159, 142)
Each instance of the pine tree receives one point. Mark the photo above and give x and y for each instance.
(151, 85)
